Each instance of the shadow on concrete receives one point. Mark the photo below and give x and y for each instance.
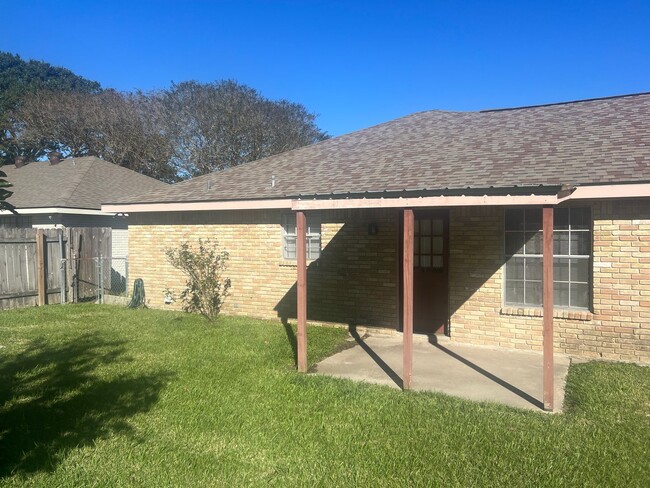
(376, 358)
(520, 393)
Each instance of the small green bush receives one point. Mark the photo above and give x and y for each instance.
(204, 265)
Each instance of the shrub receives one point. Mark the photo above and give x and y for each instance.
(204, 265)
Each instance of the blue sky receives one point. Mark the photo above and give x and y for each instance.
(356, 64)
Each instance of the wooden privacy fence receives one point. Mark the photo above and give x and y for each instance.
(20, 250)
(35, 263)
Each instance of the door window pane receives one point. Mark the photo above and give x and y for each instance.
(437, 227)
(437, 245)
(425, 245)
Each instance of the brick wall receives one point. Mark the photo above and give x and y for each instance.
(354, 281)
(618, 328)
(356, 278)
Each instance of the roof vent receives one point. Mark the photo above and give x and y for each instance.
(19, 161)
(272, 181)
(54, 157)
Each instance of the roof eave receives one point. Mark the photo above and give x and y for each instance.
(542, 197)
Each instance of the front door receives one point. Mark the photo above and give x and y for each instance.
(430, 262)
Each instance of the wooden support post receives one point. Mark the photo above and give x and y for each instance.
(40, 259)
(547, 301)
(407, 319)
(301, 250)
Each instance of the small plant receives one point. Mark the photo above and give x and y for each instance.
(204, 265)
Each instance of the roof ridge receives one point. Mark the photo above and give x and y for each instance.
(568, 102)
(83, 173)
(119, 167)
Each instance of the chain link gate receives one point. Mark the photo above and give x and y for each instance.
(91, 279)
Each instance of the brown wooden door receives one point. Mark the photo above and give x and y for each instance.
(430, 263)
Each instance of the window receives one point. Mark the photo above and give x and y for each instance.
(571, 257)
(289, 236)
(428, 243)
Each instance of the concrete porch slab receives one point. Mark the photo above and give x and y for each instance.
(477, 373)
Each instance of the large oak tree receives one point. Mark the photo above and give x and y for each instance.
(19, 78)
(188, 130)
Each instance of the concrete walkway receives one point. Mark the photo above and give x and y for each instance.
(473, 372)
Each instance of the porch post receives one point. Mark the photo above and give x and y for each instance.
(547, 301)
(407, 319)
(301, 251)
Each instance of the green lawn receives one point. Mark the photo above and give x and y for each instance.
(103, 396)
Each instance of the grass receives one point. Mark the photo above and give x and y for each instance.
(103, 396)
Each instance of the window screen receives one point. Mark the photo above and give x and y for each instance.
(571, 257)
(289, 249)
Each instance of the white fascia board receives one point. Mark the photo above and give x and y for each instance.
(56, 210)
(634, 190)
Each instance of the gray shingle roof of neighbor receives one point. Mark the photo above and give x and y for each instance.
(597, 141)
(75, 183)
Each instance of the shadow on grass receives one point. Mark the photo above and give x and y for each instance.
(52, 400)
(291, 337)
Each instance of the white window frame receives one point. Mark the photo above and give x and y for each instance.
(313, 231)
(556, 258)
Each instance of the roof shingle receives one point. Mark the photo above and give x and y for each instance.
(75, 183)
(598, 141)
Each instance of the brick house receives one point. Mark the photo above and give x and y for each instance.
(438, 222)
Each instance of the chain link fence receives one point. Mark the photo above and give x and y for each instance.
(94, 279)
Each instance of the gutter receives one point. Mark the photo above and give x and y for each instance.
(620, 191)
(57, 210)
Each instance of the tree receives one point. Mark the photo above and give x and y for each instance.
(19, 78)
(187, 130)
(122, 128)
(214, 126)
(4, 193)
(204, 265)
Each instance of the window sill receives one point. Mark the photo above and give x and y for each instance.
(584, 315)
(291, 263)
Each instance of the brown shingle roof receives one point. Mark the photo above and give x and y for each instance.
(75, 183)
(592, 141)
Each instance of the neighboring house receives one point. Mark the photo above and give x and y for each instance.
(479, 185)
(68, 193)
